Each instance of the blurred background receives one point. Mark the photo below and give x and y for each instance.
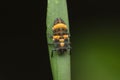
(95, 38)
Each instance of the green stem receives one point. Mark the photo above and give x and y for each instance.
(60, 64)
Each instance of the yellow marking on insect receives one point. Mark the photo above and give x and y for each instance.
(59, 25)
(62, 44)
(65, 36)
(61, 40)
(56, 37)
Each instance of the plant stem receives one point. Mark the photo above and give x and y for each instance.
(60, 64)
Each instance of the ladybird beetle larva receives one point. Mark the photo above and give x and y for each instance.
(60, 37)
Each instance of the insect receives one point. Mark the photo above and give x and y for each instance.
(60, 37)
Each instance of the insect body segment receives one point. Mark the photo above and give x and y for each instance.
(60, 37)
(61, 40)
(56, 37)
(62, 44)
(59, 26)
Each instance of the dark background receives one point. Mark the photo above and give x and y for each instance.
(23, 33)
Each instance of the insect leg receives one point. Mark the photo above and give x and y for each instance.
(50, 43)
(69, 34)
(50, 36)
(52, 52)
(67, 42)
(70, 49)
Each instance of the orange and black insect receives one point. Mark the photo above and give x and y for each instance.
(60, 37)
